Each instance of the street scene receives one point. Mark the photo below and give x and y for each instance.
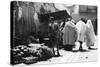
(52, 33)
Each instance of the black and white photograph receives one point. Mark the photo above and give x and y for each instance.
(52, 33)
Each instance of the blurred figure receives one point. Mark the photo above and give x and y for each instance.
(91, 33)
(69, 33)
(82, 34)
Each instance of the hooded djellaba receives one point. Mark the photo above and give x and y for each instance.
(83, 35)
(91, 39)
(86, 35)
(69, 33)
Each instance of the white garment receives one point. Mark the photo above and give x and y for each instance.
(69, 33)
(84, 46)
(81, 27)
(91, 33)
(77, 46)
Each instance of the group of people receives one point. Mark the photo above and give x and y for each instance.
(80, 34)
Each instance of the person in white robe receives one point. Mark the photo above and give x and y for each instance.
(91, 34)
(69, 33)
(82, 34)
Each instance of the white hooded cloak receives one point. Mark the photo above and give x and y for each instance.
(91, 34)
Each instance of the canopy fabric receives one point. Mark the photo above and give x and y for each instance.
(60, 15)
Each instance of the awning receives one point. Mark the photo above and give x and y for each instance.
(60, 15)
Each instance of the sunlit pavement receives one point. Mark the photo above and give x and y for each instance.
(68, 56)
